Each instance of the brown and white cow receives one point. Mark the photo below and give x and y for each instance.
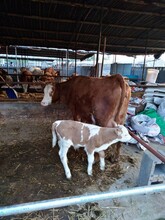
(93, 100)
(25, 76)
(92, 137)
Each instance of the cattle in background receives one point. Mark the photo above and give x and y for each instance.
(36, 71)
(25, 76)
(4, 77)
(93, 100)
(93, 138)
(49, 74)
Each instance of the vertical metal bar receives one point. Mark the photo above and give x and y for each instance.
(133, 68)
(7, 59)
(145, 58)
(144, 64)
(67, 55)
(16, 63)
(102, 65)
(154, 63)
(99, 43)
(115, 64)
(75, 67)
(62, 67)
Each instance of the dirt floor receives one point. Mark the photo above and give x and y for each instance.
(31, 171)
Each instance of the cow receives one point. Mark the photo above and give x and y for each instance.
(92, 138)
(25, 76)
(5, 78)
(93, 100)
(49, 75)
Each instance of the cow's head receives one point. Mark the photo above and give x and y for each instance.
(48, 94)
(123, 133)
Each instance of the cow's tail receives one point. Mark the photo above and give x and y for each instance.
(54, 135)
(124, 95)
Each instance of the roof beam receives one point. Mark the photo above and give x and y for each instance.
(81, 34)
(145, 2)
(79, 22)
(85, 5)
(137, 12)
(4, 38)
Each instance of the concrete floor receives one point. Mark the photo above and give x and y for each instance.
(137, 207)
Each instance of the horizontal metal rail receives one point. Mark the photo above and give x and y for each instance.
(74, 200)
(152, 150)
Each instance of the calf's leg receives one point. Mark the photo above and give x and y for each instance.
(64, 147)
(90, 163)
(102, 160)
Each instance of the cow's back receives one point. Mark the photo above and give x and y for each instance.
(100, 100)
(95, 100)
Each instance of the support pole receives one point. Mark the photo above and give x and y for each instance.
(102, 65)
(74, 200)
(75, 67)
(144, 64)
(67, 55)
(99, 43)
(16, 63)
(7, 59)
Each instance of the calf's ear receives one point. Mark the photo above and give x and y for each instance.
(118, 131)
(114, 124)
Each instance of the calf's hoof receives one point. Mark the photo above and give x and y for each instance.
(102, 168)
(68, 176)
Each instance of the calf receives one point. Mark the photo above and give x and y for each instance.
(92, 137)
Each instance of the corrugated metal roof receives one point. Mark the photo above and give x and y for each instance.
(130, 26)
(42, 52)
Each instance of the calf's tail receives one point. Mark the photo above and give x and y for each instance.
(54, 136)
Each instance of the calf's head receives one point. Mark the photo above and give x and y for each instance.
(48, 94)
(123, 133)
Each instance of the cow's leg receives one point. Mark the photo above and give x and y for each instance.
(25, 88)
(90, 163)
(64, 147)
(102, 160)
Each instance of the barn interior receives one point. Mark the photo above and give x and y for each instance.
(49, 30)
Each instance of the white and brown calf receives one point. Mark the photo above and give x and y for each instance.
(92, 137)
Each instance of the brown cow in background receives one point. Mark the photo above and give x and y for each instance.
(49, 74)
(4, 77)
(93, 100)
(25, 76)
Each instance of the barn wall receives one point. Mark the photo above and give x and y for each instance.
(28, 121)
(19, 110)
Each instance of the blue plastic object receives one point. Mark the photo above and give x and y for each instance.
(11, 93)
